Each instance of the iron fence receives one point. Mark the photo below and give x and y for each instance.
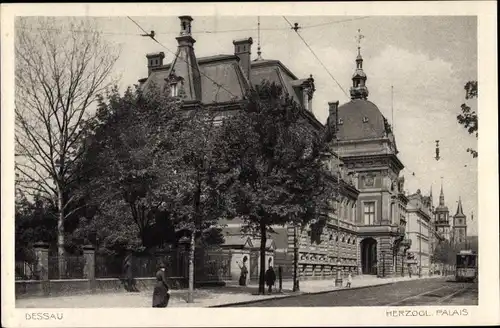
(67, 267)
(26, 271)
(212, 265)
(108, 266)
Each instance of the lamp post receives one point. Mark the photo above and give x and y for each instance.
(420, 248)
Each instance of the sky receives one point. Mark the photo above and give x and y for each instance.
(427, 60)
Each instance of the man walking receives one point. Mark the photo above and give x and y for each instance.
(270, 278)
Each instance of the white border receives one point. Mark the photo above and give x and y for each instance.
(487, 311)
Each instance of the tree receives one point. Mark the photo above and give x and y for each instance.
(201, 179)
(468, 117)
(59, 72)
(444, 253)
(278, 160)
(123, 173)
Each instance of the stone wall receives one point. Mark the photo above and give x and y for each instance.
(37, 288)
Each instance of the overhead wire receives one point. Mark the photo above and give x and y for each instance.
(319, 60)
(220, 86)
(203, 31)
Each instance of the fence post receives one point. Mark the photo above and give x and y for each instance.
(89, 269)
(42, 265)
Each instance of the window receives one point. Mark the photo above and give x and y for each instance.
(369, 212)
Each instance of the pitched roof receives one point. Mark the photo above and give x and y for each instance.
(460, 211)
(223, 69)
(239, 241)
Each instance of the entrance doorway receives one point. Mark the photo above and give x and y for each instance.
(369, 256)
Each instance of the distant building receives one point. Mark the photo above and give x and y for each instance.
(460, 227)
(420, 231)
(442, 217)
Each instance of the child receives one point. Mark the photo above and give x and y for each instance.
(349, 280)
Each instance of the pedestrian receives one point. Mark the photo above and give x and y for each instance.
(349, 280)
(270, 278)
(409, 271)
(243, 272)
(128, 268)
(161, 292)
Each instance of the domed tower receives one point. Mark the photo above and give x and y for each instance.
(359, 89)
(367, 146)
(459, 225)
(442, 217)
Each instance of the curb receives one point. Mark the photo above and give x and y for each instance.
(308, 293)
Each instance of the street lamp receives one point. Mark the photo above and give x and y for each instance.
(420, 248)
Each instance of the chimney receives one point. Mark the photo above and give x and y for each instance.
(333, 111)
(242, 49)
(155, 60)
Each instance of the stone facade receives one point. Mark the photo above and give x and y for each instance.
(419, 231)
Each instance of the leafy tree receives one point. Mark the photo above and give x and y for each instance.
(468, 117)
(444, 253)
(200, 179)
(122, 174)
(278, 160)
(59, 72)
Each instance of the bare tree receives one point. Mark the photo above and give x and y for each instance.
(62, 65)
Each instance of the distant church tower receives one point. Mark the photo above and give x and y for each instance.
(442, 217)
(459, 225)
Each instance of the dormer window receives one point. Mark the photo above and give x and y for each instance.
(341, 121)
(174, 90)
(365, 119)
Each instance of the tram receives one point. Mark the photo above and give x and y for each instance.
(466, 266)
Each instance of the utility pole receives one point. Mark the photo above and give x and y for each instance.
(296, 286)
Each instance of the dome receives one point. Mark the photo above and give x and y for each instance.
(360, 119)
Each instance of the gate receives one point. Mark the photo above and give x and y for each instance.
(254, 266)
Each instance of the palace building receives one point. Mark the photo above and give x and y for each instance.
(366, 234)
(220, 82)
(367, 146)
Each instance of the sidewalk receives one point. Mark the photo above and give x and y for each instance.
(211, 297)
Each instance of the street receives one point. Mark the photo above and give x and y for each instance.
(416, 292)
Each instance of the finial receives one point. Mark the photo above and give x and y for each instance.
(358, 38)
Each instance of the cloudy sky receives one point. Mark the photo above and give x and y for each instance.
(426, 59)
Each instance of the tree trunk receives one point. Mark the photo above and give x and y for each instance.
(262, 271)
(296, 287)
(191, 268)
(61, 259)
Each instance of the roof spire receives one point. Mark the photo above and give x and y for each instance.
(441, 195)
(460, 211)
(359, 89)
